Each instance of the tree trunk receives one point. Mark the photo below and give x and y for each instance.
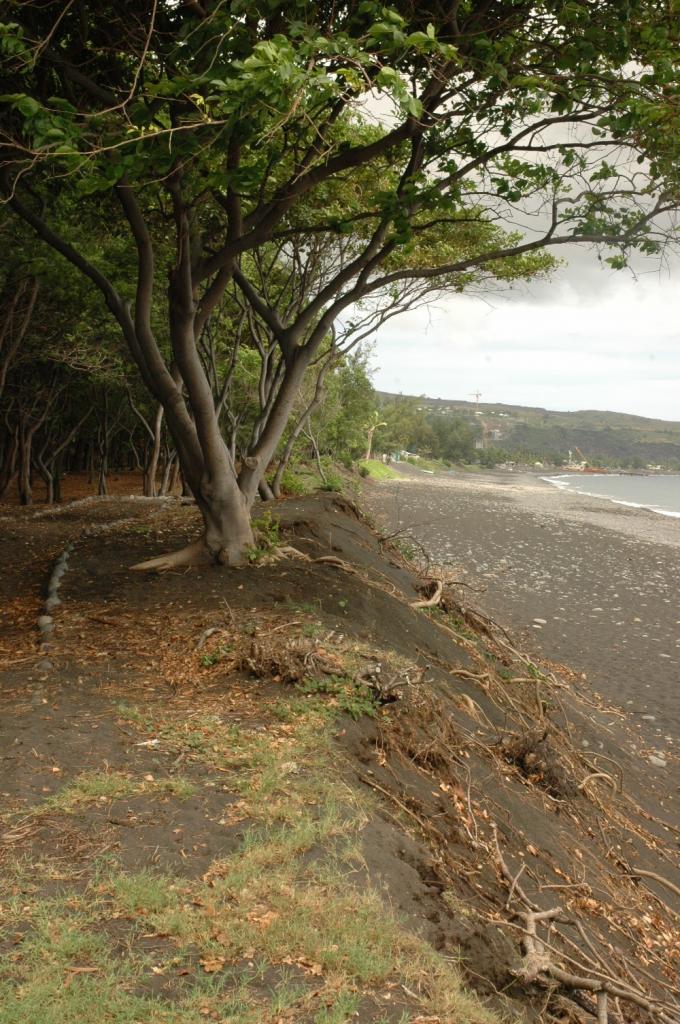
(266, 492)
(46, 470)
(151, 471)
(168, 475)
(102, 487)
(9, 463)
(369, 444)
(25, 486)
(227, 537)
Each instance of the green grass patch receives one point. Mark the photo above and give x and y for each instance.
(276, 927)
(430, 465)
(377, 470)
(93, 787)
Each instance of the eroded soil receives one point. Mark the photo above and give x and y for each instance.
(223, 776)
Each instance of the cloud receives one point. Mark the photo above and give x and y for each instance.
(591, 338)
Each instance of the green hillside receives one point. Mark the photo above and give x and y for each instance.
(607, 438)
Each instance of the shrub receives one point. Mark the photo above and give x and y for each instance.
(293, 484)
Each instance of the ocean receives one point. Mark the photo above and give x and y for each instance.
(658, 493)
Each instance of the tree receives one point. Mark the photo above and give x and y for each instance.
(371, 426)
(223, 127)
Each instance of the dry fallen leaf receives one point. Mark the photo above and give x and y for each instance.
(210, 964)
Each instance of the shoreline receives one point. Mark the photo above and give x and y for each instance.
(578, 580)
(556, 482)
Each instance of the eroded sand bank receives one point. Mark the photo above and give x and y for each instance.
(578, 579)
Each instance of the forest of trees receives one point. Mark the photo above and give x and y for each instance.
(209, 210)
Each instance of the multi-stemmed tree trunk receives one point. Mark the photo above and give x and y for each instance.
(48, 459)
(154, 431)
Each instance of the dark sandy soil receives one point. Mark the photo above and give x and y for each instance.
(577, 808)
(578, 580)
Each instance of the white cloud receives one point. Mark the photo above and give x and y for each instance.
(589, 339)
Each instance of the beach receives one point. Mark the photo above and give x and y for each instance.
(577, 580)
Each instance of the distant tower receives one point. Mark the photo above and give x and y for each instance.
(479, 444)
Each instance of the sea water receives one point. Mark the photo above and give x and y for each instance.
(659, 493)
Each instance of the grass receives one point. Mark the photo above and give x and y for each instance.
(91, 787)
(282, 927)
(431, 465)
(377, 470)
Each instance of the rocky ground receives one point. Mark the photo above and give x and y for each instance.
(285, 795)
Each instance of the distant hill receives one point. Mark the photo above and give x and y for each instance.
(611, 438)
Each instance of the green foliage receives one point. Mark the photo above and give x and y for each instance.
(410, 426)
(348, 696)
(214, 657)
(267, 536)
(333, 482)
(239, 133)
(293, 484)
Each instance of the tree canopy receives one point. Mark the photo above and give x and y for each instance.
(283, 166)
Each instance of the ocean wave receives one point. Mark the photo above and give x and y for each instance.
(565, 482)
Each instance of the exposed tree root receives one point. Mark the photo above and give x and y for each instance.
(433, 601)
(539, 967)
(193, 554)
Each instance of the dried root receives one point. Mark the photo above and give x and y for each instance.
(539, 963)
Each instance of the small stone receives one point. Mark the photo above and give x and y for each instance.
(648, 718)
(44, 621)
(540, 622)
(658, 762)
(45, 665)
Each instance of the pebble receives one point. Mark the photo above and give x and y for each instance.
(540, 622)
(45, 621)
(658, 762)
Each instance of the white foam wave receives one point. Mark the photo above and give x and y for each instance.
(563, 482)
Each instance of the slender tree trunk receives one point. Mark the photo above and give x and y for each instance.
(46, 472)
(369, 444)
(9, 463)
(266, 492)
(317, 455)
(170, 469)
(25, 485)
(151, 471)
(102, 487)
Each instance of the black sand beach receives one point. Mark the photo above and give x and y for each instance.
(576, 579)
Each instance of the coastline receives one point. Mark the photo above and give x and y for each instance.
(577, 579)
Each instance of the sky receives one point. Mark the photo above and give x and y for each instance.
(587, 338)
